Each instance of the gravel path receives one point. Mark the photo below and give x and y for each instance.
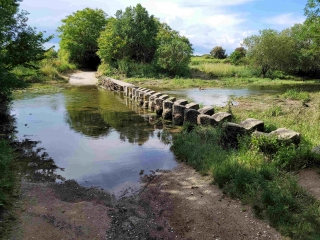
(83, 78)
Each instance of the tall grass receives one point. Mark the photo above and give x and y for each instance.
(225, 70)
(48, 70)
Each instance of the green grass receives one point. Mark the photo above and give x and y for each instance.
(257, 178)
(261, 172)
(6, 172)
(294, 94)
(49, 70)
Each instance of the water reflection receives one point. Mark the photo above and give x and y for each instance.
(94, 135)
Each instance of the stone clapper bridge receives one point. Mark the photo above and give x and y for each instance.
(181, 112)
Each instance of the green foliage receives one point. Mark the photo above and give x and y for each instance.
(294, 94)
(79, 33)
(174, 51)
(218, 52)
(270, 50)
(236, 57)
(134, 43)
(19, 45)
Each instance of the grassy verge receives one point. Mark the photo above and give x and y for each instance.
(261, 172)
(231, 82)
(49, 69)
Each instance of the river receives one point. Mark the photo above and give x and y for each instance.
(99, 138)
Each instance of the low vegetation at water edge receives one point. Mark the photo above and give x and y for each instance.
(261, 172)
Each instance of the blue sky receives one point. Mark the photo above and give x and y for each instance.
(207, 23)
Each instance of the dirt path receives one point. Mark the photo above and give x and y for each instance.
(178, 204)
(310, 180)
(83, 78)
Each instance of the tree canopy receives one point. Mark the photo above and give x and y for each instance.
(20, 44)
(218, 52)
(136, 39)
(79, 33)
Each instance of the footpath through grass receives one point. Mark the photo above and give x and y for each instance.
(261, 172)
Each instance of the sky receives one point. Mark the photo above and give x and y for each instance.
(207, 23)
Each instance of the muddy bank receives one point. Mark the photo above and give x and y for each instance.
(178, 204)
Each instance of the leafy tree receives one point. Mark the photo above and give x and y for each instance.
(79, 33)
(131, 35)
(237, 56)
(218, 52)
(270, 50)
(20, 44)
(174, 51)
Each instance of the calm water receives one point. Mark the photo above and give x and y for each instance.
(220, 97)
(94, 135)
(99, 138)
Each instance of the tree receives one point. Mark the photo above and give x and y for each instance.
(238, 54)
(131, 35)
(79, 33)
(20, 44)
(218, 52)
(174, 51)
(270, 50)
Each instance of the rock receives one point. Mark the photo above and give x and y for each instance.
(231, 132)
(181, 102)
(206, 110)
(159, 110)
(172, 99)
(206, 120)
(146, 97)
(164, 97)
(316, 150)
(145, 104)
(260, 134)
(286, 135)
(154, 96)
(178, 114)
(252, 124)
(167, 114)
(193, 105)
(190, 116)
(167, 110)
(159, 102)
(222, 117)
(177, 119)
(167, 104)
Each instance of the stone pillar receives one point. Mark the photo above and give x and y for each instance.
(178, 114)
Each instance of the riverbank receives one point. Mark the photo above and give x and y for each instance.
(161, 210)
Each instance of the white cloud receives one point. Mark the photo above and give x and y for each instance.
(287, 19)
(207, 23)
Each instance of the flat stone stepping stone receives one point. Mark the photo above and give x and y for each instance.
(164, 97)
(206, 120)
(172, 99)
(206, 110)
(193, 105)
(252, 124)
(316, 150)
(190, 116)
(181, 102)
(286, 135)
(222, 117)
